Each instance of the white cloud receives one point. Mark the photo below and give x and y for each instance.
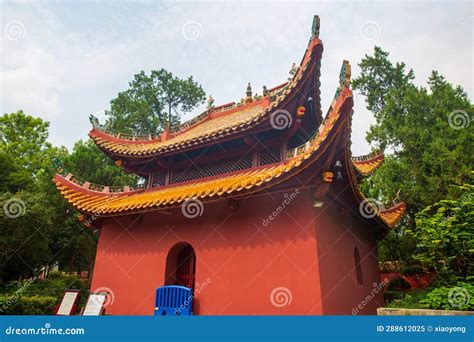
(32, 83)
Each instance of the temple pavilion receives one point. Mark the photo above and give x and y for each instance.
(254, 206)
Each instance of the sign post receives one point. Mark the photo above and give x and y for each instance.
(95, 304)
(68, 305)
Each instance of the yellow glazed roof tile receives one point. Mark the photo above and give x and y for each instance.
(224, 123)
(366, 165)
(393, 215)
(100, 203)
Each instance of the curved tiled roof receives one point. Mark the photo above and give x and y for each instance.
(393, 215)
(203, 131)
(166, 196)
(100, 203)
(366, 165)
(212, 126)
(368, 207)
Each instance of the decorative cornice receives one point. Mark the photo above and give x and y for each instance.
(366, 165)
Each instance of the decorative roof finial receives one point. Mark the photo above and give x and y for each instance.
(94, 121)
(249, 90)
(248, 99)
(315, 27)
(344, 78)
(57, 163)
(265, 91)
(345, 75)
(210, 102)
(292, 71)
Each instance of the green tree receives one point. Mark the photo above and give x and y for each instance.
(153, 102)
(12, 177)
(445, 235)
(428, 152)
(37, 227)
(24, 137)
(89, 162)
(25, 227)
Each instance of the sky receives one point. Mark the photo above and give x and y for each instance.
(64, 60)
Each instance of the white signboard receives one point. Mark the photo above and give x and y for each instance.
(67, 303)
(95, 304)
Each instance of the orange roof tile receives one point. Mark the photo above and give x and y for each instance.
(103, 203)
(210, 127)
(100, 203)
(366, 165)
(393, 215)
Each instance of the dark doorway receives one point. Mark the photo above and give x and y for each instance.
(181, 266)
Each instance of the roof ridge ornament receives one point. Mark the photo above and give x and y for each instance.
(210, 102)
(57, 163)
(344, 78)
(248, 93)
(94, 121)
(293, 71)
(345, 74)
(315, 27)
(249, 90)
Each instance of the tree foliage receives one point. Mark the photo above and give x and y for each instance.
(37, 227)
(429, 152)
(47, 231)
(90, 163)
(153, 102)
(25, 138)
(430, 149)
(445, 235)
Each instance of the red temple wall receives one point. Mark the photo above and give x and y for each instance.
(240, 260)
(243, 265)
(337, 235)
